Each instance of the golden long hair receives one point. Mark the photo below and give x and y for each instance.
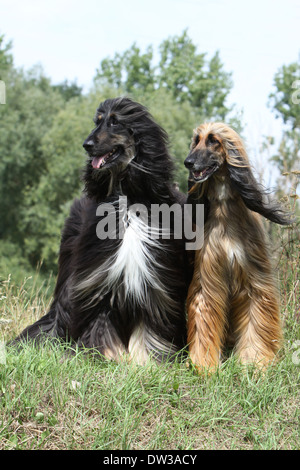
(232, 298)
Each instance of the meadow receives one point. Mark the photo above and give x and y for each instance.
(58, 398)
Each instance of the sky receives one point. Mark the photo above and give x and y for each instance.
(254, 39)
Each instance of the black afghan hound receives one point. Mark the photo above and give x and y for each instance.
(120, 290)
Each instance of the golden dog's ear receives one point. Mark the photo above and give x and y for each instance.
(255, 197)
(236, 153)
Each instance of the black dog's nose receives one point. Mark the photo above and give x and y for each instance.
(88, 144)
(189, 161)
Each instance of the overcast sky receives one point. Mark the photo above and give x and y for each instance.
(70, 38)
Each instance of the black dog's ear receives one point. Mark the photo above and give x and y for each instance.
(255, 196)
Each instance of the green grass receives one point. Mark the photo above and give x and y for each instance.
(53, 398)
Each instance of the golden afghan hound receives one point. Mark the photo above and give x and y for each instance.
(232, 299)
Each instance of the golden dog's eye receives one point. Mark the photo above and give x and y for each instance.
(196, 140)
(211, 139)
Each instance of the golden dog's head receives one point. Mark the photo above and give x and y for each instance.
(215, 149)
(213, 145)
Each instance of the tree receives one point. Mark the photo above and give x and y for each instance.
(31, 104)
(6, 58)
(286, 104)
(180, 67)
(68, 90)
(130, 71)
(192, 78)
(46, 205)
(181, 70)
(285, 98)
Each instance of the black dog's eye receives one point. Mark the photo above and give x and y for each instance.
(112, 121)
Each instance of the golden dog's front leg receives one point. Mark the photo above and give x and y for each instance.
(258, 327)
(206, 328)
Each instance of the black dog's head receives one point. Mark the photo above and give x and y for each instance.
(127, 146)
(111, 144)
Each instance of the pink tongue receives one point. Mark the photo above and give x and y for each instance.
(96, 162)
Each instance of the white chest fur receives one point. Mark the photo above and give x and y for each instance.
(132, 265)
(134, 261)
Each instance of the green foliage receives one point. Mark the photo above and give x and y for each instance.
(68, 90)
(192, 78)
(286, 105)
(31, 104)
(285, 98)
(181, 71)
(6, 58)
(45, 207)
(130, 71)
(181, 68)
(12, 260)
